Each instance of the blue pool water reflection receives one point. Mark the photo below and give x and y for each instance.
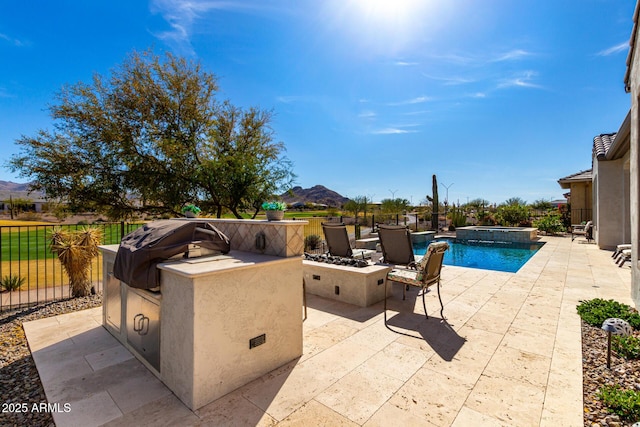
(497, 256)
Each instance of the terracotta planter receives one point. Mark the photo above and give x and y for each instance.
(190, 214)
(275, 215)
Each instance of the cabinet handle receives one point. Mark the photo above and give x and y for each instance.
(145, 326)
(138, 322)
(141, 324)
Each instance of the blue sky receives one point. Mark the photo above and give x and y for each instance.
(498, 98)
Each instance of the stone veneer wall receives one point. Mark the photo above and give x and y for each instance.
(519, 235)
(282, 238)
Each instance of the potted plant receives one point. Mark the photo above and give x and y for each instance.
(274, 210)
(191, 211)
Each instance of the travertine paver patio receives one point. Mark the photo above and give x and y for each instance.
(508, 355)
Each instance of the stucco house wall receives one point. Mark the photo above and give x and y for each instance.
(611, 207)
(581, 202)
(632, 86)
(581, 195)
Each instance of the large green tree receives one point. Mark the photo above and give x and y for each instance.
(356, 205)
(151, 138)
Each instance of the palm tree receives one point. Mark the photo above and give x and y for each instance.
(76, 250)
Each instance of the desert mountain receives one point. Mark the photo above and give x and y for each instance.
(10, 189)
(316, 194)
(13, 186)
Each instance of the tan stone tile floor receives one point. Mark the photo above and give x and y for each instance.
(509, 354)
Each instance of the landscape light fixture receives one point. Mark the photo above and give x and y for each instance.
(614, 326)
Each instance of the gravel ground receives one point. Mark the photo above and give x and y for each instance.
(20, 384)
(19, 380)
(596, 374)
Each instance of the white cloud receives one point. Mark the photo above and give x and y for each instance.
(450, 81)
(523, 80)
(392, 131)
(412, 101)
(5, 94)
(182, 14)
(396, 129)
(367, 114)
(288, 99)
(15, 42)
(614, 49)
(405, 64)
(511, 55)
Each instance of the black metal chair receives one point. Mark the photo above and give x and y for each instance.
(338, 243)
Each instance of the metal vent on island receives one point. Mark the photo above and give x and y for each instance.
(259, 340)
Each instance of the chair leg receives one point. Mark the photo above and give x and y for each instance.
(424, 304)
(440, 299)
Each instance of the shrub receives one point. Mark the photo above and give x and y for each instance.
(12, 282)
(550, 224)
(597, 310)
(509, 215)
(625, 403)
(311, 242)
(626, 346)
(75, 251)
(31, 216)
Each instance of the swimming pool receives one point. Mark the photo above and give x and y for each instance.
(497, 256)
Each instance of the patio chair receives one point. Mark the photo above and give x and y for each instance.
(426, 274)
(395, 242)
(586, 231)
(618, 252)
(338, 242)
(625, 256)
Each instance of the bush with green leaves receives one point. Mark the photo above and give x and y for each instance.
(625, 403)
(12, 282)
(550, 224)
(597, 310)
(627, 347)
(512, 214)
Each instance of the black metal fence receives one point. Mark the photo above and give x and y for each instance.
(25, 257)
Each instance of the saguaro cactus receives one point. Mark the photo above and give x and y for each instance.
(436, 204)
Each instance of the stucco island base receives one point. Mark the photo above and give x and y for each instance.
(227, 323)
(359, 286)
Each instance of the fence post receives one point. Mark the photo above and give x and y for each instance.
(121, 229)
(357, 231)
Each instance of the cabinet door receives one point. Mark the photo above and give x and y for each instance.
(134, 322)
(150, 335)
(143, 327)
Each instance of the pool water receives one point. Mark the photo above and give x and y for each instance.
(497, 256)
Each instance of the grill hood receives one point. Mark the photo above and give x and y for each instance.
(143, 249)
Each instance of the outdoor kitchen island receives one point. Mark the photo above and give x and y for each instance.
(224, 320)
